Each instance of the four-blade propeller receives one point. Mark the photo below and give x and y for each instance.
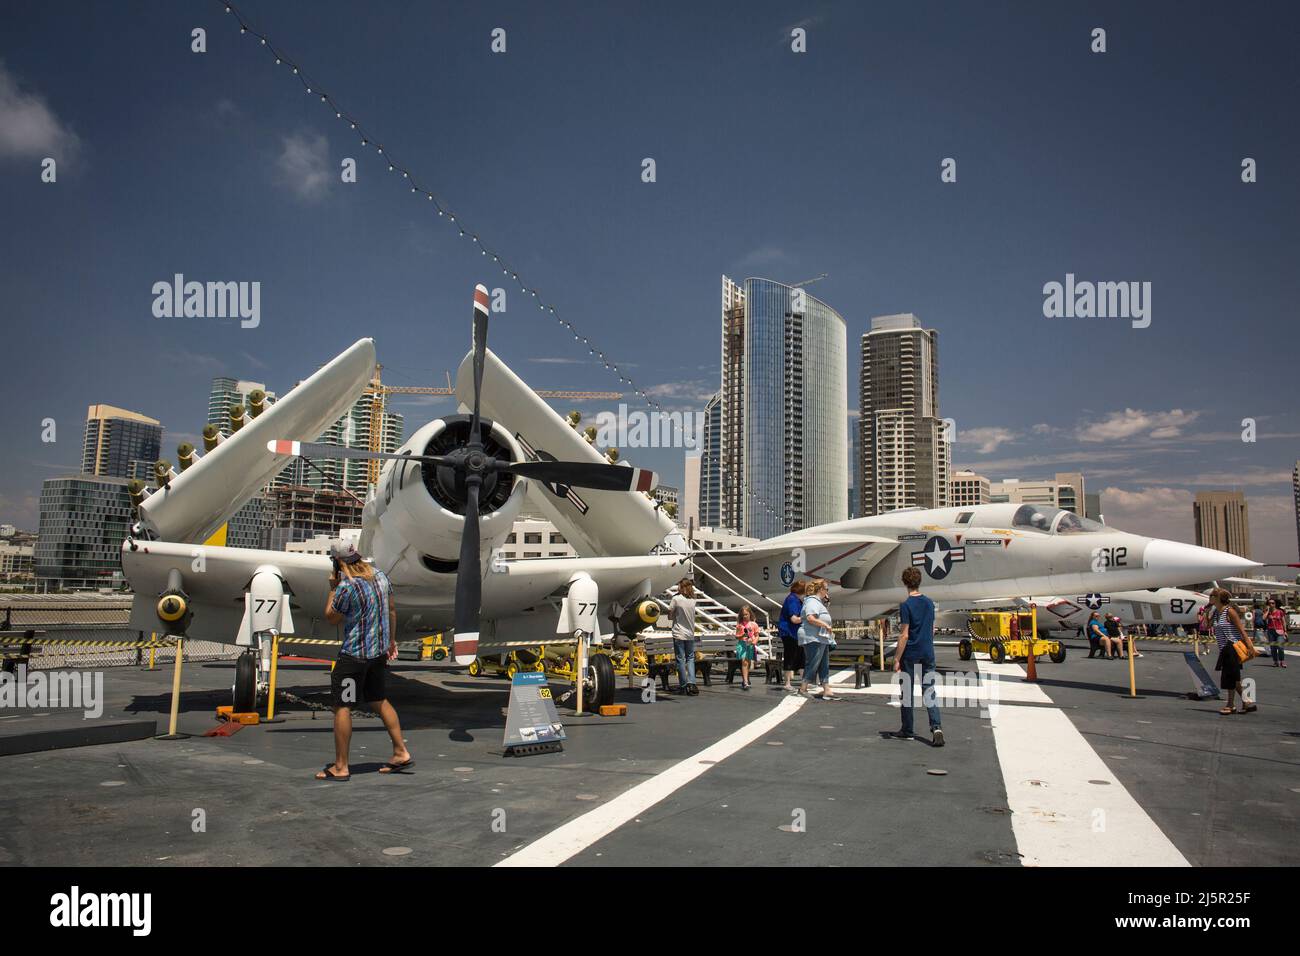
(473, 465)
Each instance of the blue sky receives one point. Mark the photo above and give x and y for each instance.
(1116, 166)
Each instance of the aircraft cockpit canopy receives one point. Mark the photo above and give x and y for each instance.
(1053, 521)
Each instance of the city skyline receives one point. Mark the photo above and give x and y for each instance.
(242, 175)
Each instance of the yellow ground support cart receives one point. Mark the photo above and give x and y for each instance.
(508, 665)
(1005, 636)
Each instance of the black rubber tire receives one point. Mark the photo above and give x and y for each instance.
(245, 689)
(997, 653)
(1058, 655)
(964, 649)
(601, 669)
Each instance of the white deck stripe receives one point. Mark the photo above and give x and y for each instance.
(1007, 692)
(578, 834)
(1059, 817)
(1066, 820)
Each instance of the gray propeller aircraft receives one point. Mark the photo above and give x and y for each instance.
(447, 499)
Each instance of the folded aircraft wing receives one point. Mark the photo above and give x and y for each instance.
(595, 523)
(204, 496)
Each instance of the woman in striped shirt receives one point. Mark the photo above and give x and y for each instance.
(1228, 629)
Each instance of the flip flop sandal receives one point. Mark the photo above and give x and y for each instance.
(1226, 712)
(328, 770)
(1249, 709)
(391, 767)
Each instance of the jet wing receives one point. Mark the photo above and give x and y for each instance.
(216, 593)
(595, 523)
(1258, 585)
(843, 559)
(204, 496)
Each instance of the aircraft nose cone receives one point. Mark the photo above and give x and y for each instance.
(1179, 563)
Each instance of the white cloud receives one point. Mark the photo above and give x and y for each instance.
(304, 165)
(764, 256)
(1132, 422)
(28, 127)
(691, 391)
(1155, 510)
(986, 440)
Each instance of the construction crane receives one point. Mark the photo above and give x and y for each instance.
(379, 393)
(795, 285)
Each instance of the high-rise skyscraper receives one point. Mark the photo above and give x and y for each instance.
(690, 513)
(711, 465)
(783, 400)
(231, 391)
(119, 443)
(353, 431)
(1295, 492)
(1222, 521)
(904, 452)
(855, 466)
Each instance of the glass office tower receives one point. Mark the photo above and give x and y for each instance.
(784, 401)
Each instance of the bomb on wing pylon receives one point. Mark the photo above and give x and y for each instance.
(135, 488)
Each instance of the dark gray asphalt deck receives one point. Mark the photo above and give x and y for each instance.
(1222, 789)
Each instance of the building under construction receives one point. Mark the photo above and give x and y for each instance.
(299, 513)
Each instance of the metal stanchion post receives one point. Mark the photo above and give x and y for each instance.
(270, 691)
(1132, 674)
(176, 695)
(579, 668)
(1031, 674)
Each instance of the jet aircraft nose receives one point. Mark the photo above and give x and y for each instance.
(1179, 564)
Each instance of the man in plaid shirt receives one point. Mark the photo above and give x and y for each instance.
(361, 599)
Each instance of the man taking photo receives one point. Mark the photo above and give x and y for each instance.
(361, 599)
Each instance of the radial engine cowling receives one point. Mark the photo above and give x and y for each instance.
(418, 511)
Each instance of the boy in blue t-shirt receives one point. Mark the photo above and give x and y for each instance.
(916, 649)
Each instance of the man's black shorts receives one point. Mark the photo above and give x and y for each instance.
(355, 680)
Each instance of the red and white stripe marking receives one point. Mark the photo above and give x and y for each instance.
(481, 299)
(465, 647)
(643, 480)
(282, 446)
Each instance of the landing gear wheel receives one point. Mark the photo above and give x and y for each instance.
(511, 670)
(601, 672)
(245, 689)
(963, 649)
(475, 668)
(997, 653)
(1058, 654)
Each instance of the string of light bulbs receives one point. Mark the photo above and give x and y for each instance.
(444, 211)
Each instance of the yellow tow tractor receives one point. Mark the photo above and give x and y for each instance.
(1006, 636)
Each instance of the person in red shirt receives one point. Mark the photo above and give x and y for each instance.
(1275, 627)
